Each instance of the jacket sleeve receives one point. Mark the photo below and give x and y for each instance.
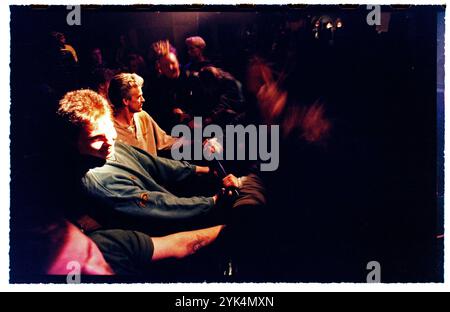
(125, 197)
(162, 169)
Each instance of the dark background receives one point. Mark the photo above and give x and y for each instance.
(382, 90)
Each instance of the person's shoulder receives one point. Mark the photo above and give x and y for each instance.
(121, 152)
(144, 118)
(121, 147)
(143, 115)
(91, 179)
(125, 150)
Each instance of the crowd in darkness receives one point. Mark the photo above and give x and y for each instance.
(354, 104)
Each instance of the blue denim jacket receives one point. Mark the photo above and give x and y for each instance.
(132, 184)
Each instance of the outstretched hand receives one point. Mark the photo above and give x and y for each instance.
(230, 181)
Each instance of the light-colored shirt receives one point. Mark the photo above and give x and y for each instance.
(145, 134)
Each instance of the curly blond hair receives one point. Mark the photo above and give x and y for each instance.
(83, 108)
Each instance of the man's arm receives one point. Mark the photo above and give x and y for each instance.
(183, 244)
(202, 170)
(156, 205)
(168, 170)
(130, 252)
(122, 195)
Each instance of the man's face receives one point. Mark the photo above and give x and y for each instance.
(136, 100)
(98, 139)
(169, 66)
(194, 52)
(97, 56)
